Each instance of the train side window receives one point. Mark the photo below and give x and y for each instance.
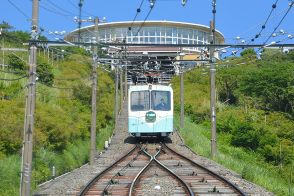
(140, 101)
(160, 100)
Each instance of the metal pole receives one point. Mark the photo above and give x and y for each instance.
(126, 82)
(80, 19)
(3, 52)
(116, 96)
(30, 110)
(182, 98)
(52, 58)
(48, 55)
(94, 92)
(182, 94)
(126, 74)
(212, 85)
(121, 89)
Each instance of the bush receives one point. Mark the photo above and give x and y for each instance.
(45, 73)
(244, 135)
(16, 62)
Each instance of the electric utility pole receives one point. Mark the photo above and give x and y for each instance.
(126, 73)
(121, 88)
(182, 93)
(116, 95)
(30, 108)
(212, 84)
(94, 93)
(80, 18)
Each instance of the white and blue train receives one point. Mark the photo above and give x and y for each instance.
(150, 110)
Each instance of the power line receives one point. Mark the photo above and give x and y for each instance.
(11, 72)
(14, 94)
(137, 13)
(18, 9)
(263, 26)
(267, 19)
(71, 78)
(14, 79)
(288, 10)
(54, 11)
(71, 3)
(58, 87)
(151, 8)
(60, 8)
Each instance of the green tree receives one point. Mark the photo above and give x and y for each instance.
(45, 73)
(16, 62)
(244, 135)
(5, 26)
(248, 52)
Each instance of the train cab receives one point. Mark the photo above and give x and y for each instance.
(150, 110)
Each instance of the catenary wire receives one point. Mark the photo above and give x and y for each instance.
(150, 10)
(287, 12)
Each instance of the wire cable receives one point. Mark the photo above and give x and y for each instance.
(263, 26)
(54, 11)
(60, 8)
(13, 94)
(267, 19)
(14, 79)
(18, 9)
(151, 8)
(11, 72)
(137, 13)
(71, 3)
(288, 10)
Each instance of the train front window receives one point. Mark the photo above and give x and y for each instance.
(140, 100)
(160, 100)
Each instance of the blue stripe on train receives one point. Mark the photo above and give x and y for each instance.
(139, 125)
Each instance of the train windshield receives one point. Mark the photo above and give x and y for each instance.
(160, 100)
(140, 100)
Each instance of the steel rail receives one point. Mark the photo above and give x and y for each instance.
(191, 193)
(237, 189)
(153, 159)
(140, 173)
(86, 188)
(105, 191)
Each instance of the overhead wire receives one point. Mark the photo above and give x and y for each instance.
(135, 17)
(28, 19)
(282, 19)
(57, 87)
(60, 8)
(54, 11)
(71, 3)
(14, 79)
(19, 10)
(263, 26)
(150, 10)
(274, 6)
(13, 94)
(11, 72)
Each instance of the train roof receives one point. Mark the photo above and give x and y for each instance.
(150, 87)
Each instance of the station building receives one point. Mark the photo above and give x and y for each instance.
(151, 32)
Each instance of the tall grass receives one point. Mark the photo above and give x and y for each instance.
(103, 135)
(75, 155)
(248, 164)
(10, 175)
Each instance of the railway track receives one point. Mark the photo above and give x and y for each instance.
(156, 169)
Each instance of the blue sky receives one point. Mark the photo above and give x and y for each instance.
(242, 18)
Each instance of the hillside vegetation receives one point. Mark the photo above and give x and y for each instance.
(255, 112)
(63, 110)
